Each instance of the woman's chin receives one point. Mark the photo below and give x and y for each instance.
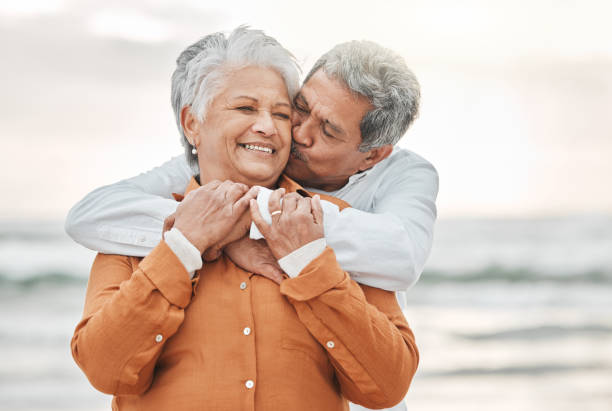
(260, 176)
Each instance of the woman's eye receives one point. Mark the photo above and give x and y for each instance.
(283, 116)
(245, 108)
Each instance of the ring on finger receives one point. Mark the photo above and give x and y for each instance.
(273, 213)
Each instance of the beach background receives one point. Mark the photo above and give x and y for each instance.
(514, 309)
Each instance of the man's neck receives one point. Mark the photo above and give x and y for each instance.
(323, 186)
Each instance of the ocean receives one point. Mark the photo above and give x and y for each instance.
(509, 315)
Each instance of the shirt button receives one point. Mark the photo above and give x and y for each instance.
(159, 338)
(249, 384)
(243, 285)
(246, 331)
(330, 344)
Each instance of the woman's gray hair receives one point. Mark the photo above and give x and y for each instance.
(202, 67)
(383, 78)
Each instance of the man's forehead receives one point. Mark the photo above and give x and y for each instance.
(330, 99)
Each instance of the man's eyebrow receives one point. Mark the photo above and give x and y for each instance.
(302, 99)
(336, 129)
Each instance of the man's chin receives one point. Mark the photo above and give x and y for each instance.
(294, 168)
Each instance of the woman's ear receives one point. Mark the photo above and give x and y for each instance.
(191, 126)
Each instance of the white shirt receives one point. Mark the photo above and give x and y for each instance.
(383, 241)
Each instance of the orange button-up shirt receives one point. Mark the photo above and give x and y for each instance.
(232, 340)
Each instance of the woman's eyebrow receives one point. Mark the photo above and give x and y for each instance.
(253, 99)
(283, 104)
(248, 97)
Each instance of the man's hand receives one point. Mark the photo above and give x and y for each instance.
(207, 215)
(254, 256)
(299, 222)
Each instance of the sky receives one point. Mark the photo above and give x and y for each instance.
(516, 95)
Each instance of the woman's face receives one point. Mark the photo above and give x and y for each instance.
(246, 134)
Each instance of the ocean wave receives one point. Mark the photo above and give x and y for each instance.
(51, 278)
(541, 333)
(515, 275)
(494, 274)
(526, 370)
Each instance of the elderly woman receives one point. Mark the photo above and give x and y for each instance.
(166, 333)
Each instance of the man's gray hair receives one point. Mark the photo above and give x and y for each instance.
(202, 68)
(383, 78)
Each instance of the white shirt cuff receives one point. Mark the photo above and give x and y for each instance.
(186, 252)
(294, 262)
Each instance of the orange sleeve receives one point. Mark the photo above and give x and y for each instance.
(362, 328)
(129, 315)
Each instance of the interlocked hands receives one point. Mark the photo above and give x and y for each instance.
(299, 222)
(215, 217)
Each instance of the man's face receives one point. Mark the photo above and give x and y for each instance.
(326, 134)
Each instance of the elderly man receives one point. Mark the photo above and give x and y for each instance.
(355, 104)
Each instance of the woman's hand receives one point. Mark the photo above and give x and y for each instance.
(299, 222)
(207, 215)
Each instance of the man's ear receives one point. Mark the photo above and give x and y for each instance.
(375, 155)
(191, 126)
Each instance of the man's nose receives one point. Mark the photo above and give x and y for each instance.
(301, 133)
(264, 124)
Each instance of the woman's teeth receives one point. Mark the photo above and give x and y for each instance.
(258, 148)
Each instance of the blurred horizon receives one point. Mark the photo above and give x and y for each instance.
(515, 95)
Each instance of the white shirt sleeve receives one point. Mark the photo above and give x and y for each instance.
(387, 248)
(127, 217)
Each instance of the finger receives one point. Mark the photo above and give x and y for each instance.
(235, 191)
(224, 189)
(274, 203)
(263, 227)
(273, 273)
(243, 202)
(289, 204)
(212, 254)
(169, 222)
(317, 209)
(211, 185)
(303, 205)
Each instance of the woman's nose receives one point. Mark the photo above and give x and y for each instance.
(264, 124)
